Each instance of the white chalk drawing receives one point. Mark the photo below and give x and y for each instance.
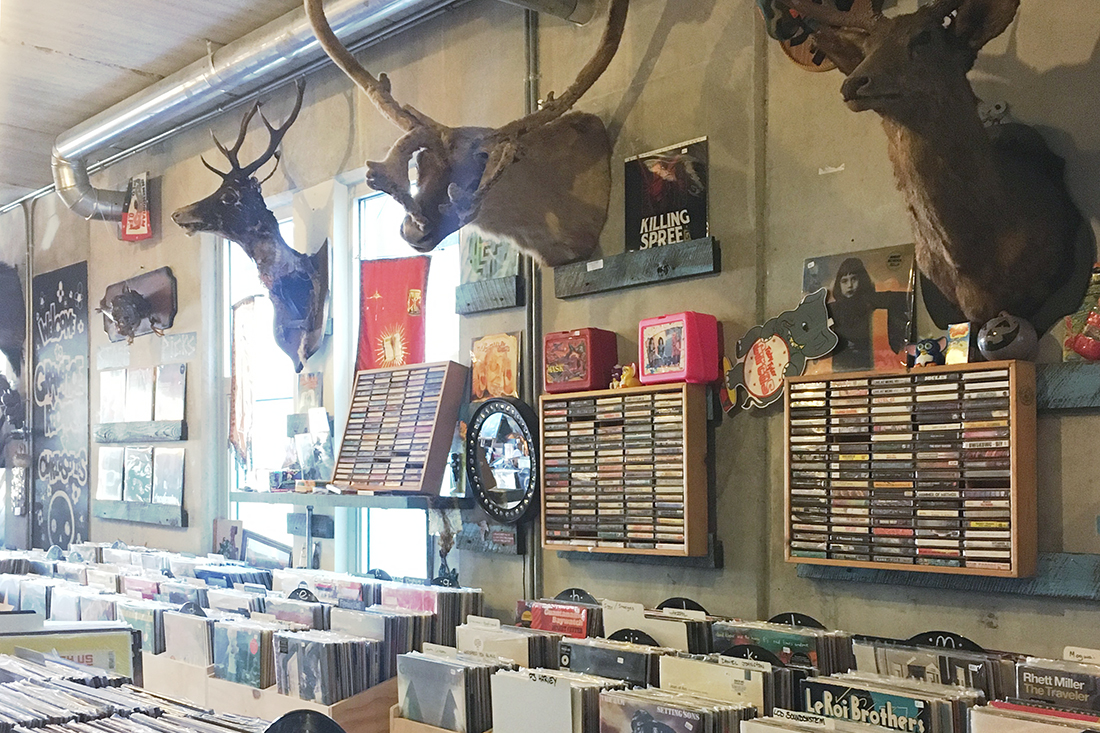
(113, 356)
(179, 347)
(60, 400)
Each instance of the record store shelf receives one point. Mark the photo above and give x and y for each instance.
(930, 470)
(361, 501)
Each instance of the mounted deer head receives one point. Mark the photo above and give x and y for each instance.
(542, 180)
(995, 227)
(297, 283)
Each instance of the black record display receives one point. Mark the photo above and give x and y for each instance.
(502, 459)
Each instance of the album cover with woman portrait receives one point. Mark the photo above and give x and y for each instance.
(871, 304)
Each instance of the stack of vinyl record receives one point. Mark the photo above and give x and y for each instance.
(15, 564)
(788, 721)
(525, 647)
(548, 700)
(1071, 685)
(576, 620)
(324, 666)
(244, 651)
(311, 615)
(900, 704)
(189, 638)
(178, 592)
(235, 601)
(636, 664)
(1017, 717)
(732, 679)
(147, 617)
(994, 673)
(232, 574)
(402, 631)
(451, 606)
(688, 633)
(39, 667)
(826, 651)
(452, 693)
(660, 711)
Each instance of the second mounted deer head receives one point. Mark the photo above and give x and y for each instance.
(542, 181)
(995, 227)
(297, 283)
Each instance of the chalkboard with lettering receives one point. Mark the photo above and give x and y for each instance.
(60, 386)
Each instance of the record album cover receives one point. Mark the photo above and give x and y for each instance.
(138, 485)
(168, 476)
(109, 479)
(871, 303)
(171, 390)
(666, 195)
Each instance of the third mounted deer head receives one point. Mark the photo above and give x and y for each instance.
(297, 283)
(542, 180)
(995, 227)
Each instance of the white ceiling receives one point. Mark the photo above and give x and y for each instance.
(62, 61)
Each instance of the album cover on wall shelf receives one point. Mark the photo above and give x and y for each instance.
(666, 195)
(870, 299)
(171, 390)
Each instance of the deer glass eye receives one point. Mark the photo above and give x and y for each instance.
(230, 197)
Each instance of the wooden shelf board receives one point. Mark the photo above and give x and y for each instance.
(642, 267)
(363, 501)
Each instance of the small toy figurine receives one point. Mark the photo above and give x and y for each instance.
(627, 379)
(926, 352)
(1007, 337)
(1087, 343)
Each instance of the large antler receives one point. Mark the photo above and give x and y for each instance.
(405, 117)
(275, 133)
(554, 108)
(862, 15)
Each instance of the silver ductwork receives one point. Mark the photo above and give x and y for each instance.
(267, 56)
(576, 11)
(275, 52)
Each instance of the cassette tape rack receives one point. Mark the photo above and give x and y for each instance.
(625, 470)
(931, 470)
(400, 428)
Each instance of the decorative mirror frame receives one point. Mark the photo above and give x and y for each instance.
(525, 418)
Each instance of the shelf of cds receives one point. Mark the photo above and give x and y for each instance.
(625, 470)
(931, 470)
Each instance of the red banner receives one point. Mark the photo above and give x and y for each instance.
(391, 312)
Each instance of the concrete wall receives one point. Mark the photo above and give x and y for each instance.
(685, 69)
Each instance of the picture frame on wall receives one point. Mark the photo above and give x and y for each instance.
(264, 552)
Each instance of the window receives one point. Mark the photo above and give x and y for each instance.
(272, 392)
(397, 540)
(394, 540)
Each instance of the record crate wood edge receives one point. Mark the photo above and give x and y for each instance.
(1022, 449)
(693, 422)
(404, 725)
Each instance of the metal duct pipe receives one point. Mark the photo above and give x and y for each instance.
(575, 11)
(278, 50)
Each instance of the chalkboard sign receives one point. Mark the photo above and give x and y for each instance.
(60, 386)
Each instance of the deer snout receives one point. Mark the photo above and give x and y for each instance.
(853, 85)
(188, 218)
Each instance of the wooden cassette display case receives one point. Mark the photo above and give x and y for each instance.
(400, 428)
(931, 470)
(624, 471)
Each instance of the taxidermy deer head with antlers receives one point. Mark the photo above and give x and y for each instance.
(995, 227)
(542, 181)
(297, 283)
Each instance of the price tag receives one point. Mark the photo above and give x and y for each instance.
(483, 622)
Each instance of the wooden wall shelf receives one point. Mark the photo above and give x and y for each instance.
(494, 294)
(625, 471)
(927, 471)
(151, 431)
(641, 267)
(165, 515)
(400, 427)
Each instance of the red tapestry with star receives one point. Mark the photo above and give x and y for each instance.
(391, 312)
